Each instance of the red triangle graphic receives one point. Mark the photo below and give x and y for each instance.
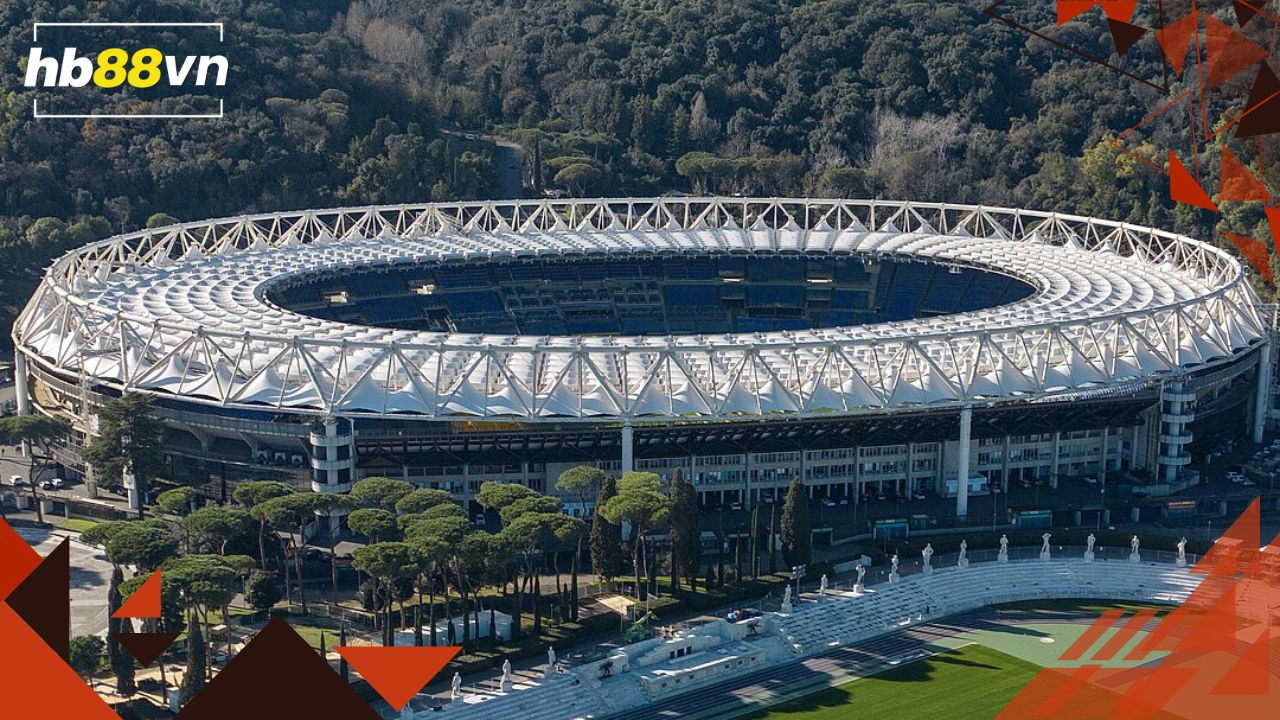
(1262, 117)
(17, 559)
(1175, 40)
(1246, 10)
(1239, 544)
(1069, 10)
(1273, 219)
(146, 647)
(1255, 251)
(1121, 10)
(43, 600)
(1228, 52)
(1124, 34)
(1237, 183)
(1184, 189)
(398, 673)
(144, 602)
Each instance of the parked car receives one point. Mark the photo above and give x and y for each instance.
(828, 502)
(16, 480)
(735, 506)
(917, 495)
(480, 520)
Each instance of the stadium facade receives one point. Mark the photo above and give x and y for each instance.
(866, 346)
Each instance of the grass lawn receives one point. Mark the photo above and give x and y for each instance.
(76, 524)
(969, 683)
(1096, 607)
(312, 635)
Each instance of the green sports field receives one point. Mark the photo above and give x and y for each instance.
(970, 683)
(977, 676)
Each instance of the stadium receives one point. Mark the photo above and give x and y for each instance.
(869, 347)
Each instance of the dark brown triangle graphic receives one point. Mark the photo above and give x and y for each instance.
(284, 676)
(1245, 13)
(43, 600)
(1264, 119)
(146, 647)
(1125, 34)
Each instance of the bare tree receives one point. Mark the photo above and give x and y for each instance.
(915, 157)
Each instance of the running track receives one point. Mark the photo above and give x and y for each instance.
(741, 694)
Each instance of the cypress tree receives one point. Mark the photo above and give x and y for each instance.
(797, 544)
(343, 669)
(606, 537)
(193, 678)
(121, 660)
(686, 536)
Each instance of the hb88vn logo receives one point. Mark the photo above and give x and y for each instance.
(116, 67)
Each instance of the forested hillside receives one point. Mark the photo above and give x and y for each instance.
(337, 102)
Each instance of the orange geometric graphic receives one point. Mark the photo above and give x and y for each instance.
(1184, 189)
(1237, 183)
(34, 679)
(398, 673)
(1228, 52)
(144, 602)
(1255, 251)
(17, 559)
(1214, 656)
(1175, 41)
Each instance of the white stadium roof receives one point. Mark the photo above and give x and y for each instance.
(181, 311)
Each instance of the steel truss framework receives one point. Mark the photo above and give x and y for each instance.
(181, 311)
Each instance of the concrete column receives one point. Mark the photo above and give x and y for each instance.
(910, 461)
(1053, 467)
(90, 481)
(1106, 442)
(857, 477)
(1004, 464)
(962, 469)
(20, 383)
(1260, 402)
(1133, 450)
(628, 448)
(940, 468)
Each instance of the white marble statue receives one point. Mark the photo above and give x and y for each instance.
(1004, 549)
(1044, 549)
(893, 568)
(551, 661)
(1088, 547)
(455, 688)
(927, 554)
(1133, 550)
(862, 572)
(963, 560)
(1182, 553)
(786, 600)
(507, 680)
(822, 586)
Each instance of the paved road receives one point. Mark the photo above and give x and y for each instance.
(739, 695)
(508, 161)
(90, 577)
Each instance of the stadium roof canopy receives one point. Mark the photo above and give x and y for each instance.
(181, 310)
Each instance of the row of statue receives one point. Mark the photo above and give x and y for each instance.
(962, 560)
